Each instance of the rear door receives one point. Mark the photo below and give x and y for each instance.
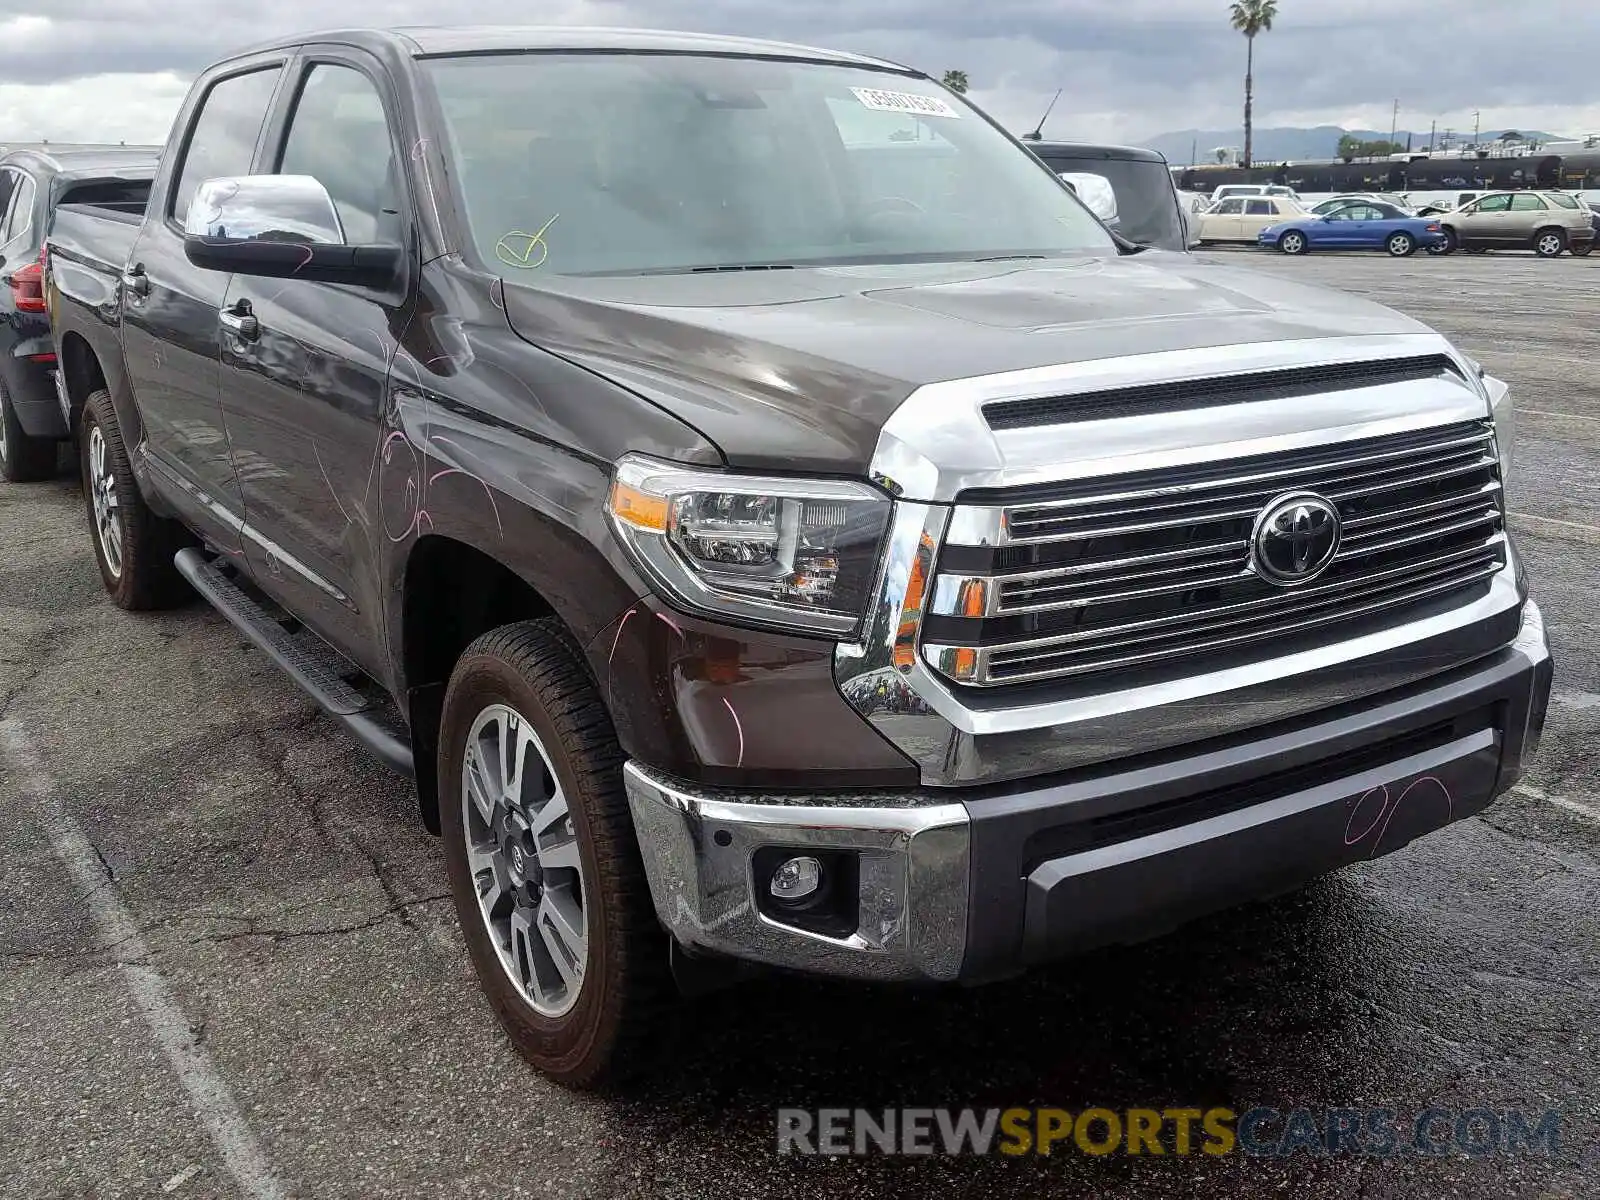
(304, 397)
(1529, 213)
(1258, 214)
(169, 306)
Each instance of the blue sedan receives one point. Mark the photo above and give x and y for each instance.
(1356, 226)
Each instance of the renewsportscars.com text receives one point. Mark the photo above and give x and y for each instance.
(1375, 1133)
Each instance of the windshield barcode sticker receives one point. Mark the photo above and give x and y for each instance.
(904, 102)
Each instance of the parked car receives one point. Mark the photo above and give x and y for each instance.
(762, 551)
(1545, 222)
(1229, 190)
(1594, 221)
(32, 183)
(1439, 203)
(1146, 209)
(1355, 225)
(1323, 207)
(1242, 218)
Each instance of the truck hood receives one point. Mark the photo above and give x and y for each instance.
(799, 369)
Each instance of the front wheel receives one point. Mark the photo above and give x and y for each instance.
(1549, 243)
(1451, 242)
(23, 459)
(133, 546)
(1401, 245)
(546, 875)
(1293, 242)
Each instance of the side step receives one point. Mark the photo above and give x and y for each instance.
(306, 659)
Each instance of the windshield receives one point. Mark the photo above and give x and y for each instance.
(1147, 205)
(623, 163)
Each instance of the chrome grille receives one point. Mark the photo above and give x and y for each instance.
(1146, 569)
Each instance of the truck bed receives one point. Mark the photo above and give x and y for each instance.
(95, 235)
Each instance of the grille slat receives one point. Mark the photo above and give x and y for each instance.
(1155, 567)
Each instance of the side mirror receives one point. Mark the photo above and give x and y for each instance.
(279, 227)
(1096, 193)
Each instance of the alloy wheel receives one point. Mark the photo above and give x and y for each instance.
(522, 851)
(103, 493)
(1549, 245)
(3, 446)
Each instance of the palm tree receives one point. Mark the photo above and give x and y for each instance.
(956, 81)
(1251, 17)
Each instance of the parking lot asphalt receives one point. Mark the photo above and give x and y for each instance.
(228, 965)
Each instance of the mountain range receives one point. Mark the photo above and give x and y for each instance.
(1293, 144)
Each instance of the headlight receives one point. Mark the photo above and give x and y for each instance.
(1500, 408)
(798, 553)
(1505, 421)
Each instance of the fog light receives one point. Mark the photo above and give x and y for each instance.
(796, 878)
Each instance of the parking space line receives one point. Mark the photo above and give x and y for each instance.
(1544, 412)
(1572, 531)
(209, 1095)
(1587, 811)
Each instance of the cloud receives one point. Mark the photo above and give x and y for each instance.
(104, 69)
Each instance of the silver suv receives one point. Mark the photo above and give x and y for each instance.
(1545, 222)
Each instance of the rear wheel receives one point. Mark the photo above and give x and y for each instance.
(1401, 245)
(546, 875)
(1293, 242)
(1582, 251)
(1549, 243)
(133, 546)
(23, 459)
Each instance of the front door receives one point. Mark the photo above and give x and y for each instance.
(1221, 224)
(169, 314)
(304, 393)
(1484, 222)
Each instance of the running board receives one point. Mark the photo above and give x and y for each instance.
(306, 659)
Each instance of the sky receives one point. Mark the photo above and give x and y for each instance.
(116, 70)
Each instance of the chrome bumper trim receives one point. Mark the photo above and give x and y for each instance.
(914, 875)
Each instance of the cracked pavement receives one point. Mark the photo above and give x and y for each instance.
(288, 896)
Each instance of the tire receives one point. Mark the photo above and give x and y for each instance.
(1293, 242)
(132, 545)
(1549, 243)
(1400, 245)
(23, 459)
(1451, 241)
(624, 1002)
(1582, 251)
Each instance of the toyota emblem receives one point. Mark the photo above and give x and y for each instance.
(1295, 539)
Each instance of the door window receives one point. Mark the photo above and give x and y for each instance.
(1493, 204)
(1262, 208)
(222, 140)
(1523, 202)
(339, 135)
(1230, 208)
(19, 217)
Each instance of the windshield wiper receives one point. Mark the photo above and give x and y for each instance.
(1008, 257)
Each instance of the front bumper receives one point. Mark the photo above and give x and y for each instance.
(964, 885)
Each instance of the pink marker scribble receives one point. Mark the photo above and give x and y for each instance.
(673, 625)
(617, 641)
(738, 728)
(1386, 809)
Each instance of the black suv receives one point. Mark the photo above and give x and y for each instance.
(32, 183)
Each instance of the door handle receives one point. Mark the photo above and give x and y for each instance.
(240, 321)
(135, 282)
